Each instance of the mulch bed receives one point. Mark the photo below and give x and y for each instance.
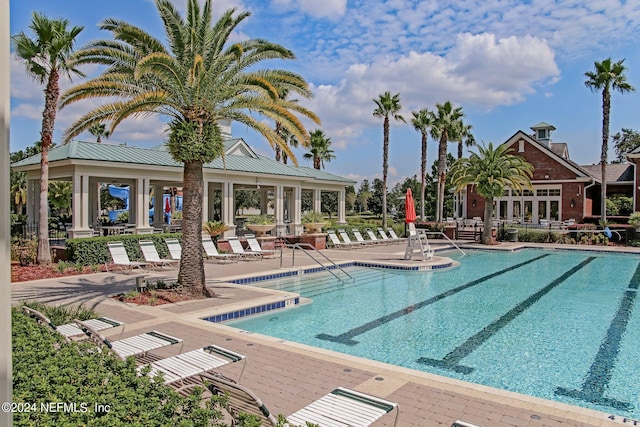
(24, 273)
(155, 297)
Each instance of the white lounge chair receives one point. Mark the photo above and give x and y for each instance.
(175, 249)
(176, 369)
(152, 257)
(394, 236)
(237, 249)
(385, 237)
(120, 258)
(346, 239)
(212, 253)
(359, 238)
(137, 345)
(340, 408)
(256, 248)
(71, 330)
(333, 237)
(372, 236)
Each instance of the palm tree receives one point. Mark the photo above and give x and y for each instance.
(422, 121)
(19, 191)
(464, 137)
(445, 127)
(607, 76)
(197, 79)
(47, 55)
(386, 105)
(319, 152)
(491, 171)
(290, 140)
(99, 130)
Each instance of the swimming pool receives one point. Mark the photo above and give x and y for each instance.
(560, 325)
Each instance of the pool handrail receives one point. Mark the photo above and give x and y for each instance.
(446, 237)
(305, 248)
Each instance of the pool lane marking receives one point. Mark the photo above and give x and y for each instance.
(597, 380)
(347, 337)
(452, 360)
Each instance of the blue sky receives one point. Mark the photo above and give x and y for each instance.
(510, 64)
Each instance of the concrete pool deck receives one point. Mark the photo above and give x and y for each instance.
(287, 375)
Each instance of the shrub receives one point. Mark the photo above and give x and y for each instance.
(46, 369)
(95, 251)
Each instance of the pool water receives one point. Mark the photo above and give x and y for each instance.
(561, 325)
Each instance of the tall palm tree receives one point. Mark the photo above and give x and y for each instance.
(491, 170)
(386, 105)
(18, 191)
(422, 121)
(196, 80)
(99, 130)
(446, 127)
(465, 137)
(290, 140)
(319, 152)
(606, 77)
(47, 54)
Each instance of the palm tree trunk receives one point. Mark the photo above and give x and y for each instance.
(51, 94)
(442, 166)
(606, 109)
(385, 167)
(488, 215)
(423, 172)
(191, 272)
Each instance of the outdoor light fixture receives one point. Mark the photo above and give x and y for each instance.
(473, 203)
(573, 203)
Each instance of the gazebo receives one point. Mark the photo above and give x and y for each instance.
(87, 164)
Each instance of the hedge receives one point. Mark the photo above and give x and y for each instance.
(92, 251)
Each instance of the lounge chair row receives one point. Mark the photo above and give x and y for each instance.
(360, 240)
(341, 407)
(121, 259)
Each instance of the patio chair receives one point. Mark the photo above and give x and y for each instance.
(372, 236)
(394, 236)
(361, 239)
(256, 248)
(175, 249)
(70, 330)
(120, 258)
(237, 249)
(333, 237)
(346, 239)
(138, 345)
(386, 238)
(212, 253)
(177, 369)
(151, 256)
(341, 407)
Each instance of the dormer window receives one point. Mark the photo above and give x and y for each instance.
(542, 134)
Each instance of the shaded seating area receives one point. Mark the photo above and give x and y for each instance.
(340, 408)
(120, 258)
(71, 330)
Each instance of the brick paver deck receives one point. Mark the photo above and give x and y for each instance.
(288, 375)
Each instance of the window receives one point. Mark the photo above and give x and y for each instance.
(542, 133)
(554, 192)
(542, 192)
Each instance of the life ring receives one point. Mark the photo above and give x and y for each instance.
(608, 232)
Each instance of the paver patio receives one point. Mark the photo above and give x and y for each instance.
(288, 375)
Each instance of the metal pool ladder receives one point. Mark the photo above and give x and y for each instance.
(309, 250)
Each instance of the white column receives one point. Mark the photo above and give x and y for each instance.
(279, 208)
(146, 200)
(296, 224)
(6, 382)
(228, 208)
(317, 200)
(342, 206)
(84, 208)
(158, 205)
(76, 202)
(205, 201)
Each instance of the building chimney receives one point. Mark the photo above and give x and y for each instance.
(542, 133)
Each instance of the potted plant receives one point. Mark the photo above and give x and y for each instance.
(634, 219)
(215, 228)
(313, 222)
(260, 224)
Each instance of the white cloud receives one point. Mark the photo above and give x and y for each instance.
(479, 71)
(320, 9)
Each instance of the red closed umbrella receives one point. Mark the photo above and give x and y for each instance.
(167, 206)
(410, 208)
